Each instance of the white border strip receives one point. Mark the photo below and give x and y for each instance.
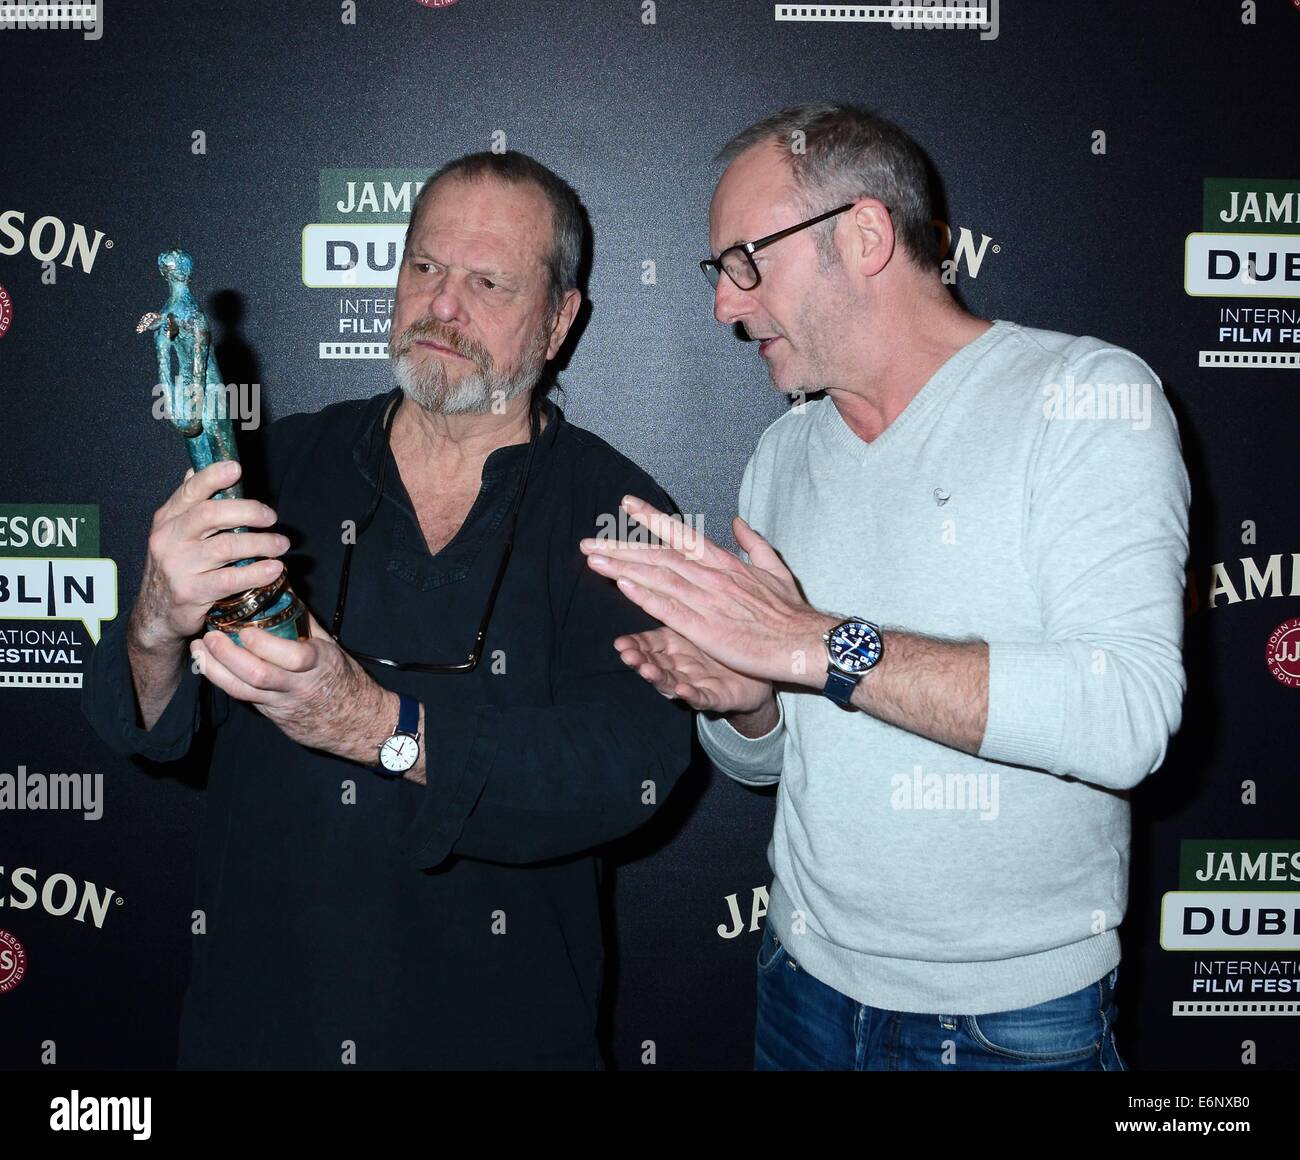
(1261, 359)
(1242, 1008)
(354, 350)
(52, 11)
(886, 14)
(40, 680)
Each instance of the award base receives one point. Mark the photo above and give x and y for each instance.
(274, 607)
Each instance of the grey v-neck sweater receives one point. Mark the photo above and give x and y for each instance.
(1022, 498)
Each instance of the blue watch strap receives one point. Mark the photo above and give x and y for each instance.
(839, 687)
(408, 716)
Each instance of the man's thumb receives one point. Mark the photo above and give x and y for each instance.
(758, 549)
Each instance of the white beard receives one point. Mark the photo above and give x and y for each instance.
(427, 383)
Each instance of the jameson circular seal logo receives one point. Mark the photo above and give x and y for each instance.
(6, 311)
(1284, 652)
(13, 962)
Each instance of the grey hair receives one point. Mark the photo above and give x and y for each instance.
(847, 152)
(567, 224)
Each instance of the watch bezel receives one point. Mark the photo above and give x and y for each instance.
(398, 733)
(868, 665)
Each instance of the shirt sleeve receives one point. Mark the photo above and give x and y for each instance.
(108, 702)
(1106, 537)
(527, 784)
(749, 760)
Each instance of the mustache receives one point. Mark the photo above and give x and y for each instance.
(431, 330)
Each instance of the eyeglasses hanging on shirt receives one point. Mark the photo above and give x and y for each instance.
(476, 649)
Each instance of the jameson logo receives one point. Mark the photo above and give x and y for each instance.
(963, 254)
(48, 239)
(1233, 581)
(1245, 864)
(1245, 205)
(1282, 653)
(735, 924)
(57, 894)
(377, 195)
(36, 529)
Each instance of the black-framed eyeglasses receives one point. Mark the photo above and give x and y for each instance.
(738, 264)
(476, 649)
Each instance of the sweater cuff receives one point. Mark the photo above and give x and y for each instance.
(723, 741)
(1026, 720)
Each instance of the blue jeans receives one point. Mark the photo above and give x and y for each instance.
(805, 1025)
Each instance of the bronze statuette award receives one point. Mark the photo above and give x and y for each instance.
(195, 400)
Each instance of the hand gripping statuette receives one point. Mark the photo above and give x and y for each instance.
(195, 403)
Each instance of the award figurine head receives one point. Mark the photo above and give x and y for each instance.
(175, 266)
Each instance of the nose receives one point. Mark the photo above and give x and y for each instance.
(447, 300)
(730, 302)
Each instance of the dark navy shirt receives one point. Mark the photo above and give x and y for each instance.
(448, 925)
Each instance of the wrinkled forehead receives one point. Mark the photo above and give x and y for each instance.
(754, 197)
(507, 219)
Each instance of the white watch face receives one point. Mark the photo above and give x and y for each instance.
(399, 752)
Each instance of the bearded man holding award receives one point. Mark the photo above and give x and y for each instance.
(398, 865)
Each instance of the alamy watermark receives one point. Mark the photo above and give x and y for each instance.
(238, 402)
(53, 791)
(945, 791)
(619, 527)
(18, 15)
(1081, 401)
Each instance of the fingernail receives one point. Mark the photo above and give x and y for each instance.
(600, 560)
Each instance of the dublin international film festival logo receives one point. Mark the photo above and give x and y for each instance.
(1249, 248)
(52, 578)
(1237, 908)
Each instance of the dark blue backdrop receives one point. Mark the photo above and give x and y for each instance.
(628, 101)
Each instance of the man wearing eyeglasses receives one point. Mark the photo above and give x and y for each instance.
(397, 866)
(954, 640)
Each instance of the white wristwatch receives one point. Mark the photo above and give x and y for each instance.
(401, 751)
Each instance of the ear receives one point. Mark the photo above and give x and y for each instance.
(563, 320)
(873, 235)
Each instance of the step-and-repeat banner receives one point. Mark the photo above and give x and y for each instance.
(1115, 169)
